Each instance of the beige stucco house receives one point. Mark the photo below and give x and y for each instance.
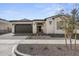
(48, 25)
(5, 26)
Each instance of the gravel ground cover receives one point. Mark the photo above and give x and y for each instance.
(47, 50)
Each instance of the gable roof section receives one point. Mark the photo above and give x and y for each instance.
(56, 16)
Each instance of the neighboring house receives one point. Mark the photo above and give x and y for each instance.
(5, 26)
(48, 25)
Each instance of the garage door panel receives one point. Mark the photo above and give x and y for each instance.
(23, 28)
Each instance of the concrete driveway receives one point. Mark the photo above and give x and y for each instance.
(11, 36)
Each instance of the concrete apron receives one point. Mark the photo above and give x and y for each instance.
(42, 41)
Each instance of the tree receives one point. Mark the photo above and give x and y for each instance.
(69, 25)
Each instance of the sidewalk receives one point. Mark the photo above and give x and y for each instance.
(6, 49)
(36, 41)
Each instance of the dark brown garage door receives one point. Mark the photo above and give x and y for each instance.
(23, 28)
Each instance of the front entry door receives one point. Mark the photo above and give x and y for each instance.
(39, 29)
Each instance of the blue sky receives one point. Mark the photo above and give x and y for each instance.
(12, 11)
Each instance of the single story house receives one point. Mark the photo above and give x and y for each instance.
(48, 25)
(5, 26)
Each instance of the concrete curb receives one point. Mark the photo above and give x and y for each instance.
(47, 41)
(14, 50)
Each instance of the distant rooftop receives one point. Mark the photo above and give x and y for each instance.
(3, 19)
(27, 20)
(21, 20)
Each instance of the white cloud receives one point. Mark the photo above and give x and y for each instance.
(52, 10)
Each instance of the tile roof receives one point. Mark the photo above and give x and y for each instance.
(39, 20)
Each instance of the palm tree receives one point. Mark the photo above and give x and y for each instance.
(75, 14)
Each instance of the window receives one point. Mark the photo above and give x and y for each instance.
(39, 29)
(59, 25)
(53, 18)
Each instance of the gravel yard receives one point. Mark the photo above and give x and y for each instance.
(47, 50)
(41, 37)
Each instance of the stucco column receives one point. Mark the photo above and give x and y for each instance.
(34, 28)
(13, 28)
